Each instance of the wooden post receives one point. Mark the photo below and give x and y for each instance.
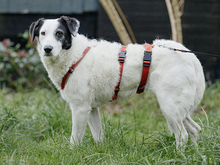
(172, 20)
(125, 21)
(116, 21)
(175, 11)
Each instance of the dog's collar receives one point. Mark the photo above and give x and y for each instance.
(71, 69)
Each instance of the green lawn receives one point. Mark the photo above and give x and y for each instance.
(35, 129)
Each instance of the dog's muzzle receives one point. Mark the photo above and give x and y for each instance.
(48, 49)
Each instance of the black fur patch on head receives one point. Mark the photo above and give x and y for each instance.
(72, 24)
(35, 28)
(68, 26)
(63, 35)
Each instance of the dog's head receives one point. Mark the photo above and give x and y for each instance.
(54, 34)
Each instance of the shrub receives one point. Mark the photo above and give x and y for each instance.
(20, 67)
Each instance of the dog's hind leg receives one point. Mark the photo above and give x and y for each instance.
(80, 116)
(95, 124)
(177, 127)
(174, 114)
(192, 127)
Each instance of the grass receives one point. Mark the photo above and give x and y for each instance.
(35, 128)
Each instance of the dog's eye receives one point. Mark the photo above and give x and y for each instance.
(43, 33)
(59, 34)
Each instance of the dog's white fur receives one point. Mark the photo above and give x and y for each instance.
(176, 78)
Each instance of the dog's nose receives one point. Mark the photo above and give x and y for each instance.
(48, 49)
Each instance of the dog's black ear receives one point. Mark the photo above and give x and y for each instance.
(72, 24)
(35, 28)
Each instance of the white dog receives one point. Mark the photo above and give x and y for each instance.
(176, 78)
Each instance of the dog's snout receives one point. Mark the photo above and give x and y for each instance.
(48, 49)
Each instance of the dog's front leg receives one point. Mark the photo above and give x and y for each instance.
(80, 117)
(95, 124)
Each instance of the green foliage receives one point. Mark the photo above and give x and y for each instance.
(20, 67)
(35, 128)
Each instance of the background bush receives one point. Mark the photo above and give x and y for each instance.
(20, 67)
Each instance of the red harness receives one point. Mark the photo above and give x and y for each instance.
(121, 59)
(145, 71)
(71, 69)
(146, 67)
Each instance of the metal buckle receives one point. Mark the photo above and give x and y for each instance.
(147, 58)
(71, 69)
(140, 89)
(117, 89)
(122, 56)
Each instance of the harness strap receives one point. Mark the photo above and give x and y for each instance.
(146, 67)
(145, 71)
(121, 59)
(71, 69)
